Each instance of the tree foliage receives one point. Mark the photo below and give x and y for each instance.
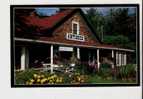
(117, 27)
(97, 21)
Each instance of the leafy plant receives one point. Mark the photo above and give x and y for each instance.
(77, 78)
(127, 71)
(105, 71)
(22, 76)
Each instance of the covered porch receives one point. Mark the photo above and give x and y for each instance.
(50, 57)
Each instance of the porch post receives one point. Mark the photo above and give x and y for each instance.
(120, 57)
(125, 59)
(78, 53)
(117, 59)
(51, 55)
(112, 58)
(24, 58)
(98, 63)
(112, 53)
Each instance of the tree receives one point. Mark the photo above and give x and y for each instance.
(120, 27)
(118, 40)
(97, 21)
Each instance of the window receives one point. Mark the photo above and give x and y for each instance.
(75, 27)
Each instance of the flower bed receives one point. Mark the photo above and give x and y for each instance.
(32, 77)
(126, 74)
(43, 79)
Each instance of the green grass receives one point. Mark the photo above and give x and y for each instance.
(94, 79)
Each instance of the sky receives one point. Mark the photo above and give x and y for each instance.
(50, 11)
(47, 11)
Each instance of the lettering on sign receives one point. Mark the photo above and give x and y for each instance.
(75, 37)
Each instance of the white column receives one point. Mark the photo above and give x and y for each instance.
(125, 59)
(98, 63)
(117, 58)
(51, 55)
(24, 58)
(78, 53)
(113, 58)
(112, 53)
(120, 57)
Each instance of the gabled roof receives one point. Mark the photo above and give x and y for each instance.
(50, 23)
(47, 22)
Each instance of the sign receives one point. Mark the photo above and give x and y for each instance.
(75, 37)
(70, 49)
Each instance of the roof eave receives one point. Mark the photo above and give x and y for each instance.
(74, 45)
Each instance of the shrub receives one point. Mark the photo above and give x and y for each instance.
(30, 77)
(105, 70)
(127, 71)
(81, 68)
(22, 76)
(77, 78)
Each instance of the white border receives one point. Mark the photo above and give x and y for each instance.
(57, 93)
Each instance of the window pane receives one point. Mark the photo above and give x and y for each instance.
(75, 28)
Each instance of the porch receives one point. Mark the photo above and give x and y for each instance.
(51, 57)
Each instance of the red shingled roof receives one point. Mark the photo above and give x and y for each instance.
(47, 22)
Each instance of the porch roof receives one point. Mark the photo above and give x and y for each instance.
(98, 46)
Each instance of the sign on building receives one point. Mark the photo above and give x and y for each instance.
(61, 48)
(75, 37)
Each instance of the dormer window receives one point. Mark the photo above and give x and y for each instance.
(75, 33)
(75, 27)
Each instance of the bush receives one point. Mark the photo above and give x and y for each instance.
(30, 77)
(127, 71)
(77, 78)
(105, 71)
(22, 76)
(82, 69)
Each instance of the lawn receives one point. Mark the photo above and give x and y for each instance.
(95, 79)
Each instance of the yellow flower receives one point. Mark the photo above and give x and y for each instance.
(52, 77)
(60, 79)
(30, 83)
(43, 80)
(42, 76)
(48, 78)
(35, 75)
(38, 80)
(32, 80)
(82, 81)
(50, 81)
(38, 76)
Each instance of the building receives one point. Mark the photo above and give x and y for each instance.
(55, 39)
